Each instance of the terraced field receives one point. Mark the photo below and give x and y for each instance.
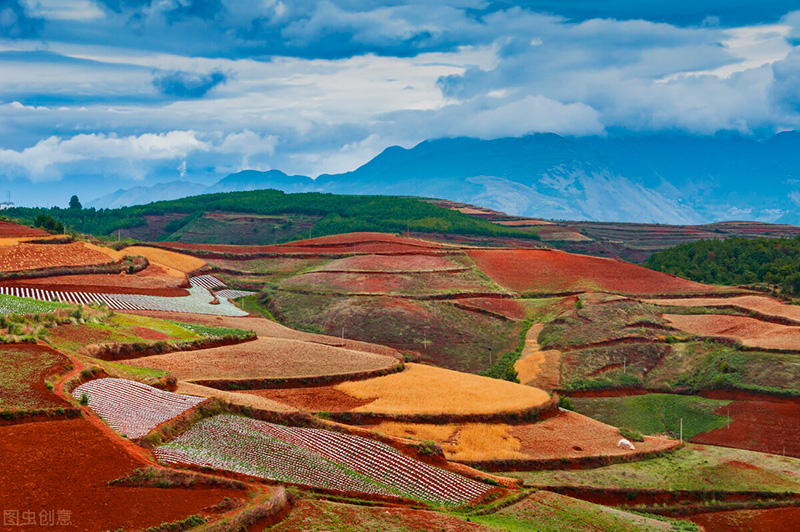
(267, 358)
(198, 301)
(316, 458)
(132, 408)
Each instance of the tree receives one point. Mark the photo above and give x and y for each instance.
(75, 203)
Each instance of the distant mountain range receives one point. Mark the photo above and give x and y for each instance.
(678, 179)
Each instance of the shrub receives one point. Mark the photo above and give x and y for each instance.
(84, 400)
(630, 434)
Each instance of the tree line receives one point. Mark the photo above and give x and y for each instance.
(774, 262)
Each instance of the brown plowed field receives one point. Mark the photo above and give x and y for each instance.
(762, 304)
(266, 358)
(749, 331)
(769, 427)
(33, 256)
(65, 465)
(773, 520)
(510, 308)
(544, 270)
(568, 435)
(12, 230)
(390, 263)
(153, 281)
(268, 328)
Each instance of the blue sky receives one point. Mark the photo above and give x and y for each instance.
(103, 94)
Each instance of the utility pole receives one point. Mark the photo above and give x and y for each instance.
(342, 336)
(625, 364)
(681, 430)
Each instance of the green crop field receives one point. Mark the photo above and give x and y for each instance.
(656, 413)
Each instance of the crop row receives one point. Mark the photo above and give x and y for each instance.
(198, 300)
(317, 458)
(233, 294)
(17, 305)
(133, 408)
(207, 281)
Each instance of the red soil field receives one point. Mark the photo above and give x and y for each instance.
(543, 270)
(749, 331)
(12, 230)
(769, 427)
(65, 465)
(315, 399)
(25, 256)
(153, 281)
(336, 244)
(773, 520)
(390, 263)
(510, 308)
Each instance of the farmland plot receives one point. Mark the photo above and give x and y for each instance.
(316, 458)
(133, 408)
(198, 301)
(207, 281)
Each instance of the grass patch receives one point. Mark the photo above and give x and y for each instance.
(655, 413)
(550, 512)
(694, 467)
(215, 332)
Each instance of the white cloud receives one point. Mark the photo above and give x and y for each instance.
(41, 162)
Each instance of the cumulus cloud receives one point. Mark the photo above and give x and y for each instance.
(187, 84)
(41, 162)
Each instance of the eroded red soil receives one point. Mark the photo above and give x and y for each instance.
(764, 426)
(773, 520)
(65, 465)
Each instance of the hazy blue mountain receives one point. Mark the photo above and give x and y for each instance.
(254, 180)
(676, 179)
(142, 195)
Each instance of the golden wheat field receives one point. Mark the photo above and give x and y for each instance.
(176, 263)
(424, 389)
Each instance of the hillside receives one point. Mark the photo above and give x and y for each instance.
(672, 179)
(278, 216)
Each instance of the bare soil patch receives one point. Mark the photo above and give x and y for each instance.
(65, 465)
(544, 270)
(276, 358)
(772, 520)
(315, 399)
(764, 426)
(749, 331)
(26, 256)
(12, 230)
